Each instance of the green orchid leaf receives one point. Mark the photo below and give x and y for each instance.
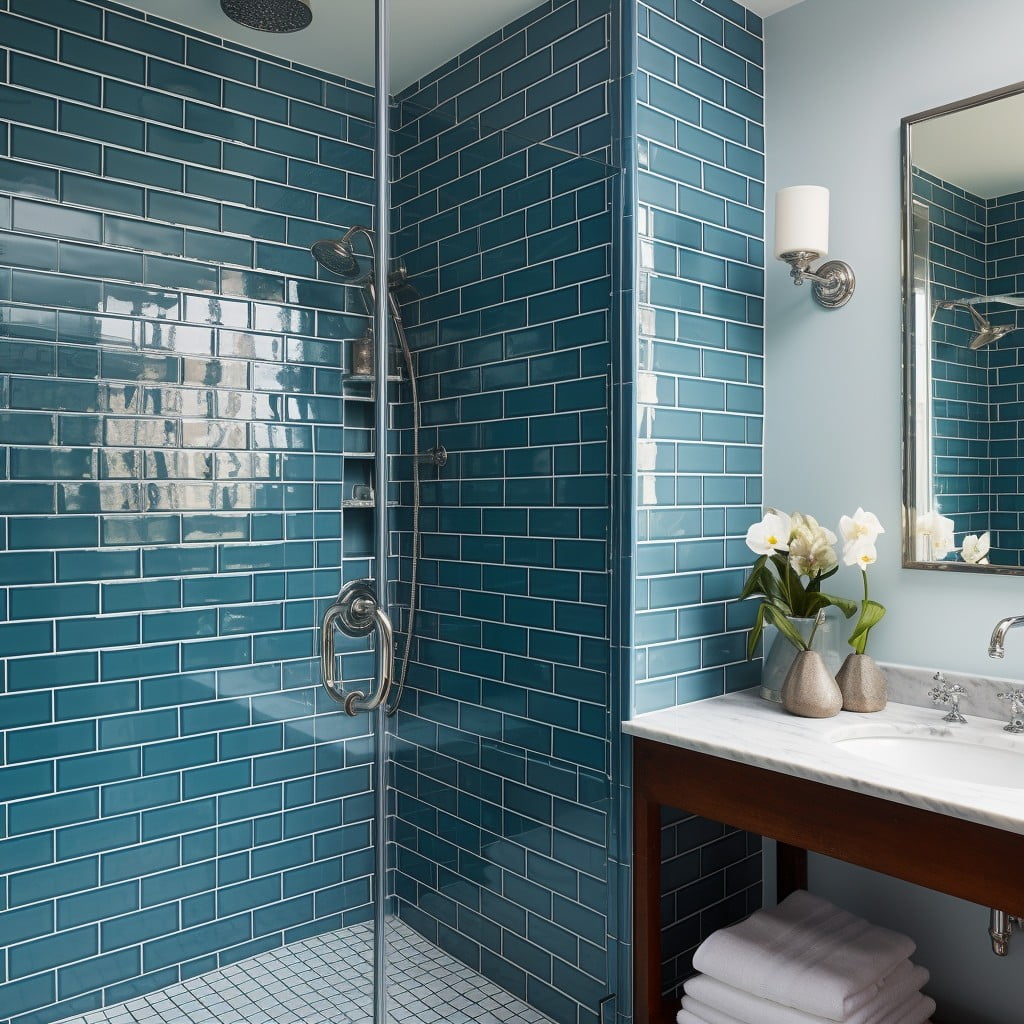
(754, 636)
(785, 627)
(755, 581)
(871, 615)
(844, 604)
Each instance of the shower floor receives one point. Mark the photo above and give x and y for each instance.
(328, 980)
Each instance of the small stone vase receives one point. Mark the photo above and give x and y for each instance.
(862, 684)
(809, 690)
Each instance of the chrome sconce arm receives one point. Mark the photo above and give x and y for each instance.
(357, 613)
(833, 282)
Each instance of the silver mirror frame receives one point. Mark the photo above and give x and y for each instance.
(910, 440)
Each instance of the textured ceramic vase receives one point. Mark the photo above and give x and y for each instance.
(809, 690)
(862, 684)
(829, 641)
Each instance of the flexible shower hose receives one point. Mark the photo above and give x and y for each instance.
(413, 575)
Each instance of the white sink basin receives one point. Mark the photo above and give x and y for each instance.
(991, 760)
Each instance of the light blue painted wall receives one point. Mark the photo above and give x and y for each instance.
(842, 369)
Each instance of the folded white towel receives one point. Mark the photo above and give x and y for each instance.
(895, 988)
(805, 953)
(915, 1010)
(685, 1017)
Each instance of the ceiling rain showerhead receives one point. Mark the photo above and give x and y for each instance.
(270, 15)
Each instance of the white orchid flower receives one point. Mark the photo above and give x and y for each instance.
(811, 547)
(860, 526)
(939, 530)
(770, 535)
(975, 549)
(862, 553)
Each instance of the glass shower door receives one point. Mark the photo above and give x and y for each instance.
(506, 860)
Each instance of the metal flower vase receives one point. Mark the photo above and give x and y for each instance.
(810, 690)
(829, 641)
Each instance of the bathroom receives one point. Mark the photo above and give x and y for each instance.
(613, 378)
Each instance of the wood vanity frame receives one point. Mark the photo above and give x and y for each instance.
(974, 862)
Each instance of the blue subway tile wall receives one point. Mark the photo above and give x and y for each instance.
(958, 267)
(975, 249)
(1005, 237)
(503, 742)
(176, 441)
(699, 399)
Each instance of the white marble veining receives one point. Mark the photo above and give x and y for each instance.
(909, 684)
(744, 728)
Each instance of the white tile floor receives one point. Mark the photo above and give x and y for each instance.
(328, 980)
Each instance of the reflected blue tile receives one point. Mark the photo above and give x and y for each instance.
(104, 195)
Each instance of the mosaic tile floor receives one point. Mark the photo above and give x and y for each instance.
(327, 980)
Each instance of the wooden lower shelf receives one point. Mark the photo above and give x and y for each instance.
(935, 850)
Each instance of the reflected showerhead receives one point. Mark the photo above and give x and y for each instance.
(269, 15)
(987, 332)
(338, 257)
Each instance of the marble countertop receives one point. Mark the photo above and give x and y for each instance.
(744, 728)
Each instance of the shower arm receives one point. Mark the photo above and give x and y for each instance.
(981, 323)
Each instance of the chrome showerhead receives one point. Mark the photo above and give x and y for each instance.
(269, 15)
(338, 257)
(987, 332)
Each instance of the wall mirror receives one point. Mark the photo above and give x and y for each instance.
(963, 306)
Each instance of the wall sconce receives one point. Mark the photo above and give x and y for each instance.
(801, 237)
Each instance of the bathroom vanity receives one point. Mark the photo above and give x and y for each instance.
(898, 792)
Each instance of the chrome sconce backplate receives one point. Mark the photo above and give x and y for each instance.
(833, 283)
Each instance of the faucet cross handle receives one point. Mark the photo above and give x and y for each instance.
(944, 693)
(1016, 699)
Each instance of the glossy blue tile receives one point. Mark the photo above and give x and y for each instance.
(51, 78)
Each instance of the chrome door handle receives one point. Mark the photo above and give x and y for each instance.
(357, 613)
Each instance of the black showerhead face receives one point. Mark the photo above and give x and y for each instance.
(336, 256)
(269, 15)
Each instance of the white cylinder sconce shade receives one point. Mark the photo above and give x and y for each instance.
(801, 221)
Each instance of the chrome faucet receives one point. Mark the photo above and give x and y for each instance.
(997, 643)
(943, 693)
(1016, 699)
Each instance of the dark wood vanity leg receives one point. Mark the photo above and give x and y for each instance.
(646, 909)
(790, 870)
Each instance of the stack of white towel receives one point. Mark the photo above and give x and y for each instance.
(805, 962)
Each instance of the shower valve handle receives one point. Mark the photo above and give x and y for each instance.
(357, 613)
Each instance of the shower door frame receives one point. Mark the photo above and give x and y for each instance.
(382, 213)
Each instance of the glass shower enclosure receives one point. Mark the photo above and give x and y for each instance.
(242, 778)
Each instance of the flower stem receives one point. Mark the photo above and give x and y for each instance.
(818, 620)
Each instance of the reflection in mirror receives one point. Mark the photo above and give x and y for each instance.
(964, 314)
